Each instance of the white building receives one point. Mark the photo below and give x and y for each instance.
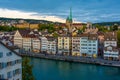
(52, 45)
(111, 51)
(44, 44)
(10, 64)
(89, 45)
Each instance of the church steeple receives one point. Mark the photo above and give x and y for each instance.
(69, 21)
(70, 16)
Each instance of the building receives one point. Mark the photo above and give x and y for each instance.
(90, 29)
(10, 64)
(76, 46)
(36, 44)
(111, 51)
(27, 25)
(64, 45)
(44, 44)
(69, 22)
(27, 40)
(52, 45)
(22, 25)
(34, 26)
(89, 45)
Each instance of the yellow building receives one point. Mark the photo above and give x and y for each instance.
(27, 25)
(22, 25)
(64, 45)
(34, 26)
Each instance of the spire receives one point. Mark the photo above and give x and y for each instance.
(70, 13)
(70, 16)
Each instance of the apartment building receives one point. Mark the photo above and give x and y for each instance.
(27, 40)
(111, 51)
(76, 46)
(89, 45)
(10, 64)
(52, 45)
(64, 45)
(44, 44)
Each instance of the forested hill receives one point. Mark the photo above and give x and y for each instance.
(107, 23)
(28, 20)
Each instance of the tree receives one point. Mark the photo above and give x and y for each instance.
(118, 37)
(83, 29)
(27, 69)
(115, 27)
(55, 35)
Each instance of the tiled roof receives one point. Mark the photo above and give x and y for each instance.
(26, 33)
(11, 49)
(110, 36)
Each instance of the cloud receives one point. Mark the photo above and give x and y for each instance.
(28, 15)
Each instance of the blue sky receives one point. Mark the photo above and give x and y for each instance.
(58, 10)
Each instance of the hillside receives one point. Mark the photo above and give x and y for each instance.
(107, 23)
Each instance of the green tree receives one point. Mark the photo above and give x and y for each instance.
(55, 35)
(27, 69)
(118, 38)
(115, 27)
(49, 27)
(83, 29)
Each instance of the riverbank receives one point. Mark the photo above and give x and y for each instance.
(76, 59)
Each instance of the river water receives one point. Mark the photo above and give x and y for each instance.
(58, 70)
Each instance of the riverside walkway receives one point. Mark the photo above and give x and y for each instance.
(79, 59)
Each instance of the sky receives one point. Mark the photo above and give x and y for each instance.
(58, 10)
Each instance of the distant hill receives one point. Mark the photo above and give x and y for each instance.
(27, 20)
(107, 23)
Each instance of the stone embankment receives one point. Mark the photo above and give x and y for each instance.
(96, 61)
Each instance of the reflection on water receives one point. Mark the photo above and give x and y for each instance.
(59, 70)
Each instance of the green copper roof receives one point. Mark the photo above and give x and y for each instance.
(69, 18)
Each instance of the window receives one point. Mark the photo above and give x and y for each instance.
(9, 63)
(2, 65)
(17, 71)
(1, 76)
(1, 54)
(9, 74)
(94, 44)
(9, 54)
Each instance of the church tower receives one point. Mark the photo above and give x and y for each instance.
(69, 21)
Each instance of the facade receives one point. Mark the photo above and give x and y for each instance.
(44, 44)
(76, 46)
(90, 29)
(111, 51)
(52, 45)
(89, 45)
(64, 44)
(27, 40)
(10, 64)
(27, 25)
(36, 44)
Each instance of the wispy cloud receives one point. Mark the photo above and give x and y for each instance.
(28, 15)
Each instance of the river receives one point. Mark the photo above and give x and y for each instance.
(58, 70)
